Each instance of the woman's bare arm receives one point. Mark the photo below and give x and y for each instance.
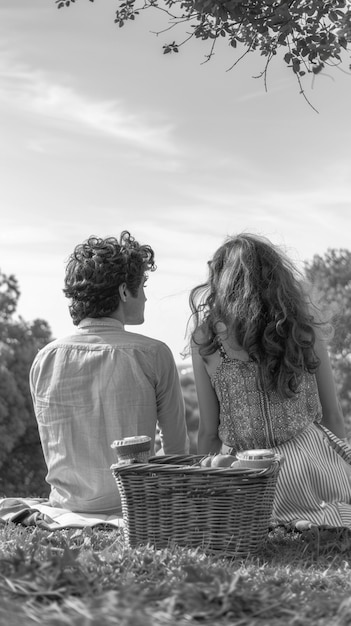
(208, 440)
(332, 413)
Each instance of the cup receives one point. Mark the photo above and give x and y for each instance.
(135, 448)
(255, 459)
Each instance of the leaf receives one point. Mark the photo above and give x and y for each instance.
(317, 68)
(296, 65)
(333, 16)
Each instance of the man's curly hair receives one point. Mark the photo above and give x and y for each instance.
(97, 268)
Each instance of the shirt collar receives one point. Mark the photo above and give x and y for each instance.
(99, 322)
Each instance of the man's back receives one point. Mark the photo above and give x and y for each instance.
(98, 385)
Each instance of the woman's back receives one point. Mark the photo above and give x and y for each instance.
(262, 419)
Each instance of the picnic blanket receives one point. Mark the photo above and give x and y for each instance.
(39, 512)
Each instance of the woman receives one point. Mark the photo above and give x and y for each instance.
(264, 379)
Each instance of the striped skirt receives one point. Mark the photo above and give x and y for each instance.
(314, 483)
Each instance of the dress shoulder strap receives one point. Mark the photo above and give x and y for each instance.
(221, 349)
(229, 359)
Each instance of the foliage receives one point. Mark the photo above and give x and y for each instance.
(312, 34)
(20, 451)
(192, 415)
(331, 277)
(9, 294)
(85, 576)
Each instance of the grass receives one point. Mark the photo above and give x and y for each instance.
(89, 577)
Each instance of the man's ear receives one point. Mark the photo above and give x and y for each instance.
(123, 292)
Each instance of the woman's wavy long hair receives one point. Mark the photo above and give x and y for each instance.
(255, 291)
(97, 268)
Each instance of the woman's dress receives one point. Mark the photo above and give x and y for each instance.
(314, 482)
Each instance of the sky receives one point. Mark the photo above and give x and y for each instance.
(101, 132)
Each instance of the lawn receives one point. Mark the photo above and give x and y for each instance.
(85, 577)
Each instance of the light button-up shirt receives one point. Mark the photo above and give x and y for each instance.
(100, 384)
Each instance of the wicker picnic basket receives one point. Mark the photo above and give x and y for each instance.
(171, 499)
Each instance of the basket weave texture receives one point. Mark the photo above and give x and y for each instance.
(219, 509)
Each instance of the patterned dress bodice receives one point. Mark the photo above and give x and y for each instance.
(253, 418)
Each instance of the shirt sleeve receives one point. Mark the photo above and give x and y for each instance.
(170, 404)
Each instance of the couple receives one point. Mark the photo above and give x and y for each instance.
(262, 374)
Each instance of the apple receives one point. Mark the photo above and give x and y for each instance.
(206, 461)
(223, 460)
(237, 464)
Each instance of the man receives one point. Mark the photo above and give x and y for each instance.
(103, 383)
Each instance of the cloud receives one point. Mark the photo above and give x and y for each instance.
(32, 92)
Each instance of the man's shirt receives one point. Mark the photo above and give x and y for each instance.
(100, 384)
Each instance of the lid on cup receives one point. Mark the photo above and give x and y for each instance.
(128, 441)
(255, 454)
